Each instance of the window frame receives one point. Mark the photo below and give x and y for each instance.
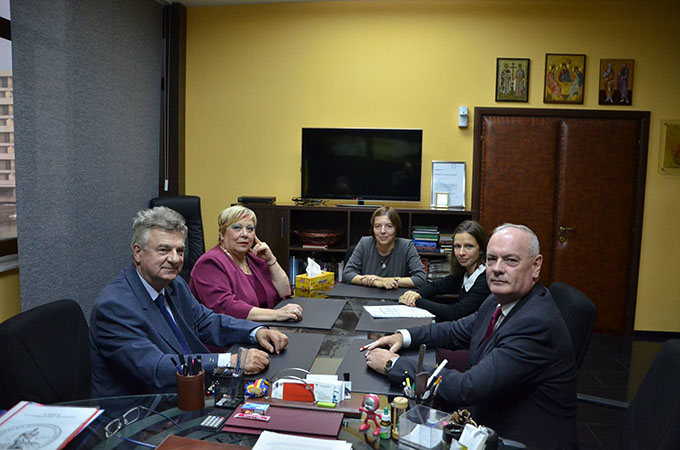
(7, 246)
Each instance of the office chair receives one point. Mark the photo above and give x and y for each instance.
(652, 419)
(45, 355)
(348, 254)
(189, 206)
(578, 312)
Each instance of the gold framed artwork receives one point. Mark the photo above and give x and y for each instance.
(512, 79)
(616, 82)
(565, 77)
(669, 155)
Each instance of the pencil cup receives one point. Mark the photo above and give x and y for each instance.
(229, 390)
(191, 391)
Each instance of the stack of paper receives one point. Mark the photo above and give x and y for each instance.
(32, 425)
(270, 440)
(396, 311)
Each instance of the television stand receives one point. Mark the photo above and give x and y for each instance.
(361, 205)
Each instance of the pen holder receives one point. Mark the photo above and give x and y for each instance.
(191, 391)
(229, 390)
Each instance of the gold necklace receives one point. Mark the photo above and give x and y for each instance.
(243, 265)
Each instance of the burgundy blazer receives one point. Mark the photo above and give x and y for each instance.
(218, 283)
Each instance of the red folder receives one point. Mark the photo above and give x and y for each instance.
(289, 420)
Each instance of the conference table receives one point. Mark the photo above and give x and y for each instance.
(336, 341)
(327, 341)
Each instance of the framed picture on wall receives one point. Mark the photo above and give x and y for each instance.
(512, 79)
(669, 157)
(565, 76)
(616, 82)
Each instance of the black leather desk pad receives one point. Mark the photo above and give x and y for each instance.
(300, 353)
(370, 323)
(356, 291)
(318, 313)
(367, 380)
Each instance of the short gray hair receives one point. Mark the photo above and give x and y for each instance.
(159, 217)
(534, 246)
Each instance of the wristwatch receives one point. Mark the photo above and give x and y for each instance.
(388, 365)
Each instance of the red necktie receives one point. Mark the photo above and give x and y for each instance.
(494, 318)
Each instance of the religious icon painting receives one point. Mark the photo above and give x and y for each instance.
(565, 77)
(512, 79)
(616, 82)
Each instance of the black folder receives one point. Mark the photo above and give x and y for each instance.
(355, 291)
(319, 313)
(365, 379)
(300, 353)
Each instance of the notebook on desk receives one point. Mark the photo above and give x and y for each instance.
(367, 380)
(318, 313)
(300, 353)
(346, 290)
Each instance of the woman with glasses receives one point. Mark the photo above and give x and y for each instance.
(384, 260)
(467, 278)
(241, 276)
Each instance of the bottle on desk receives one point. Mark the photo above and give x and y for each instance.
(386, 424)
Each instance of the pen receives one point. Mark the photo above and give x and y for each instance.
(439, 380)
(407, 379)
(367, 346)
(179, 368)
(436, 373)
(421, 358)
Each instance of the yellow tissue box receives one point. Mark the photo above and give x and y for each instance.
(323, 280)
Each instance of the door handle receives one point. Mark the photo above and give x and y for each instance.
(563, 233)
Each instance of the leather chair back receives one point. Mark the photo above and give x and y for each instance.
(189, 206)
(45, 355)
(578, 312)
(652, 420)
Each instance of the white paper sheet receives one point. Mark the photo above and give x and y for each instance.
(269, 440)
(396, 311)
(32, 425)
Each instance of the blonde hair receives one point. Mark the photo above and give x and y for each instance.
(233, 214)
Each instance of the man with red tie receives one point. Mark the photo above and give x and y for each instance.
(520, 379)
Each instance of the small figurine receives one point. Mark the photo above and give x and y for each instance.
(370, 406)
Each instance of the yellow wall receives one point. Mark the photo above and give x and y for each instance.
(257, 74)
(10, 301)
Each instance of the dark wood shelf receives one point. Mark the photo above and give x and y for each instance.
(276, 225)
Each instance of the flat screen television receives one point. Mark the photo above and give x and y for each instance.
(361, 163)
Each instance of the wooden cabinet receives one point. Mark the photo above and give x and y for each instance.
(279, 225)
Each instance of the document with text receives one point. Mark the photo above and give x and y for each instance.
(397, 311)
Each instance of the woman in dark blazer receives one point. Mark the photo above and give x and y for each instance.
(467, 277)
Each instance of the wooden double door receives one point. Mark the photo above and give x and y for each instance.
(577, 178)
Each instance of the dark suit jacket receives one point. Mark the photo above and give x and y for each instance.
(521, 381)
(131, 343)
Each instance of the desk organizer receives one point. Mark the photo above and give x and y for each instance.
(421, 428)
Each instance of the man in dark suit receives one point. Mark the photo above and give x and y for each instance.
(520, 379)
(147, 315)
